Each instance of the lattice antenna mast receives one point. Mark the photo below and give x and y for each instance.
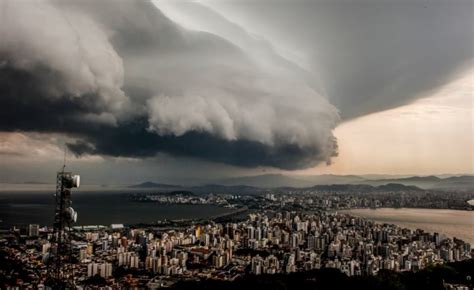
(60, 270)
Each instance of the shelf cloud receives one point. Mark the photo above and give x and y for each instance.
(123, 79)
(368, 55)
(251, 84)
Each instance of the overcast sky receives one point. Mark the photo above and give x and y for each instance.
(190, 91)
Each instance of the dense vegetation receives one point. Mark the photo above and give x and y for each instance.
(432, 278)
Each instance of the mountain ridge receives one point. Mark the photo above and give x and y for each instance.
(278, 180)
(217, 188)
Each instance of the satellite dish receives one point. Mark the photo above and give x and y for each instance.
(76, 180)
(70, 181)
(71, 214)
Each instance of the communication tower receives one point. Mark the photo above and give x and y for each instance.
(60, 268)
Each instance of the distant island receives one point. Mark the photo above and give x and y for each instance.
(149, 184)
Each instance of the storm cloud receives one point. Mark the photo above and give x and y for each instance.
(247, 83)
(368, 55)
(124, 80)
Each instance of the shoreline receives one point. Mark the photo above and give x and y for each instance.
(403, 208)
(448, 222)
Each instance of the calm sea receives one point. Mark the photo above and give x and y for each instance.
(104, 208)
(452, 223)
(22, 208)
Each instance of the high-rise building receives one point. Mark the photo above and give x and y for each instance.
(33, 230)
(198, 231)
(250, 232)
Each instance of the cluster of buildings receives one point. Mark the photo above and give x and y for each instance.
(265, 243)
(321, 198)
(343, 197)
(182, 198)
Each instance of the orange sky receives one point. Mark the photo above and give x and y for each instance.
(433, 135)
